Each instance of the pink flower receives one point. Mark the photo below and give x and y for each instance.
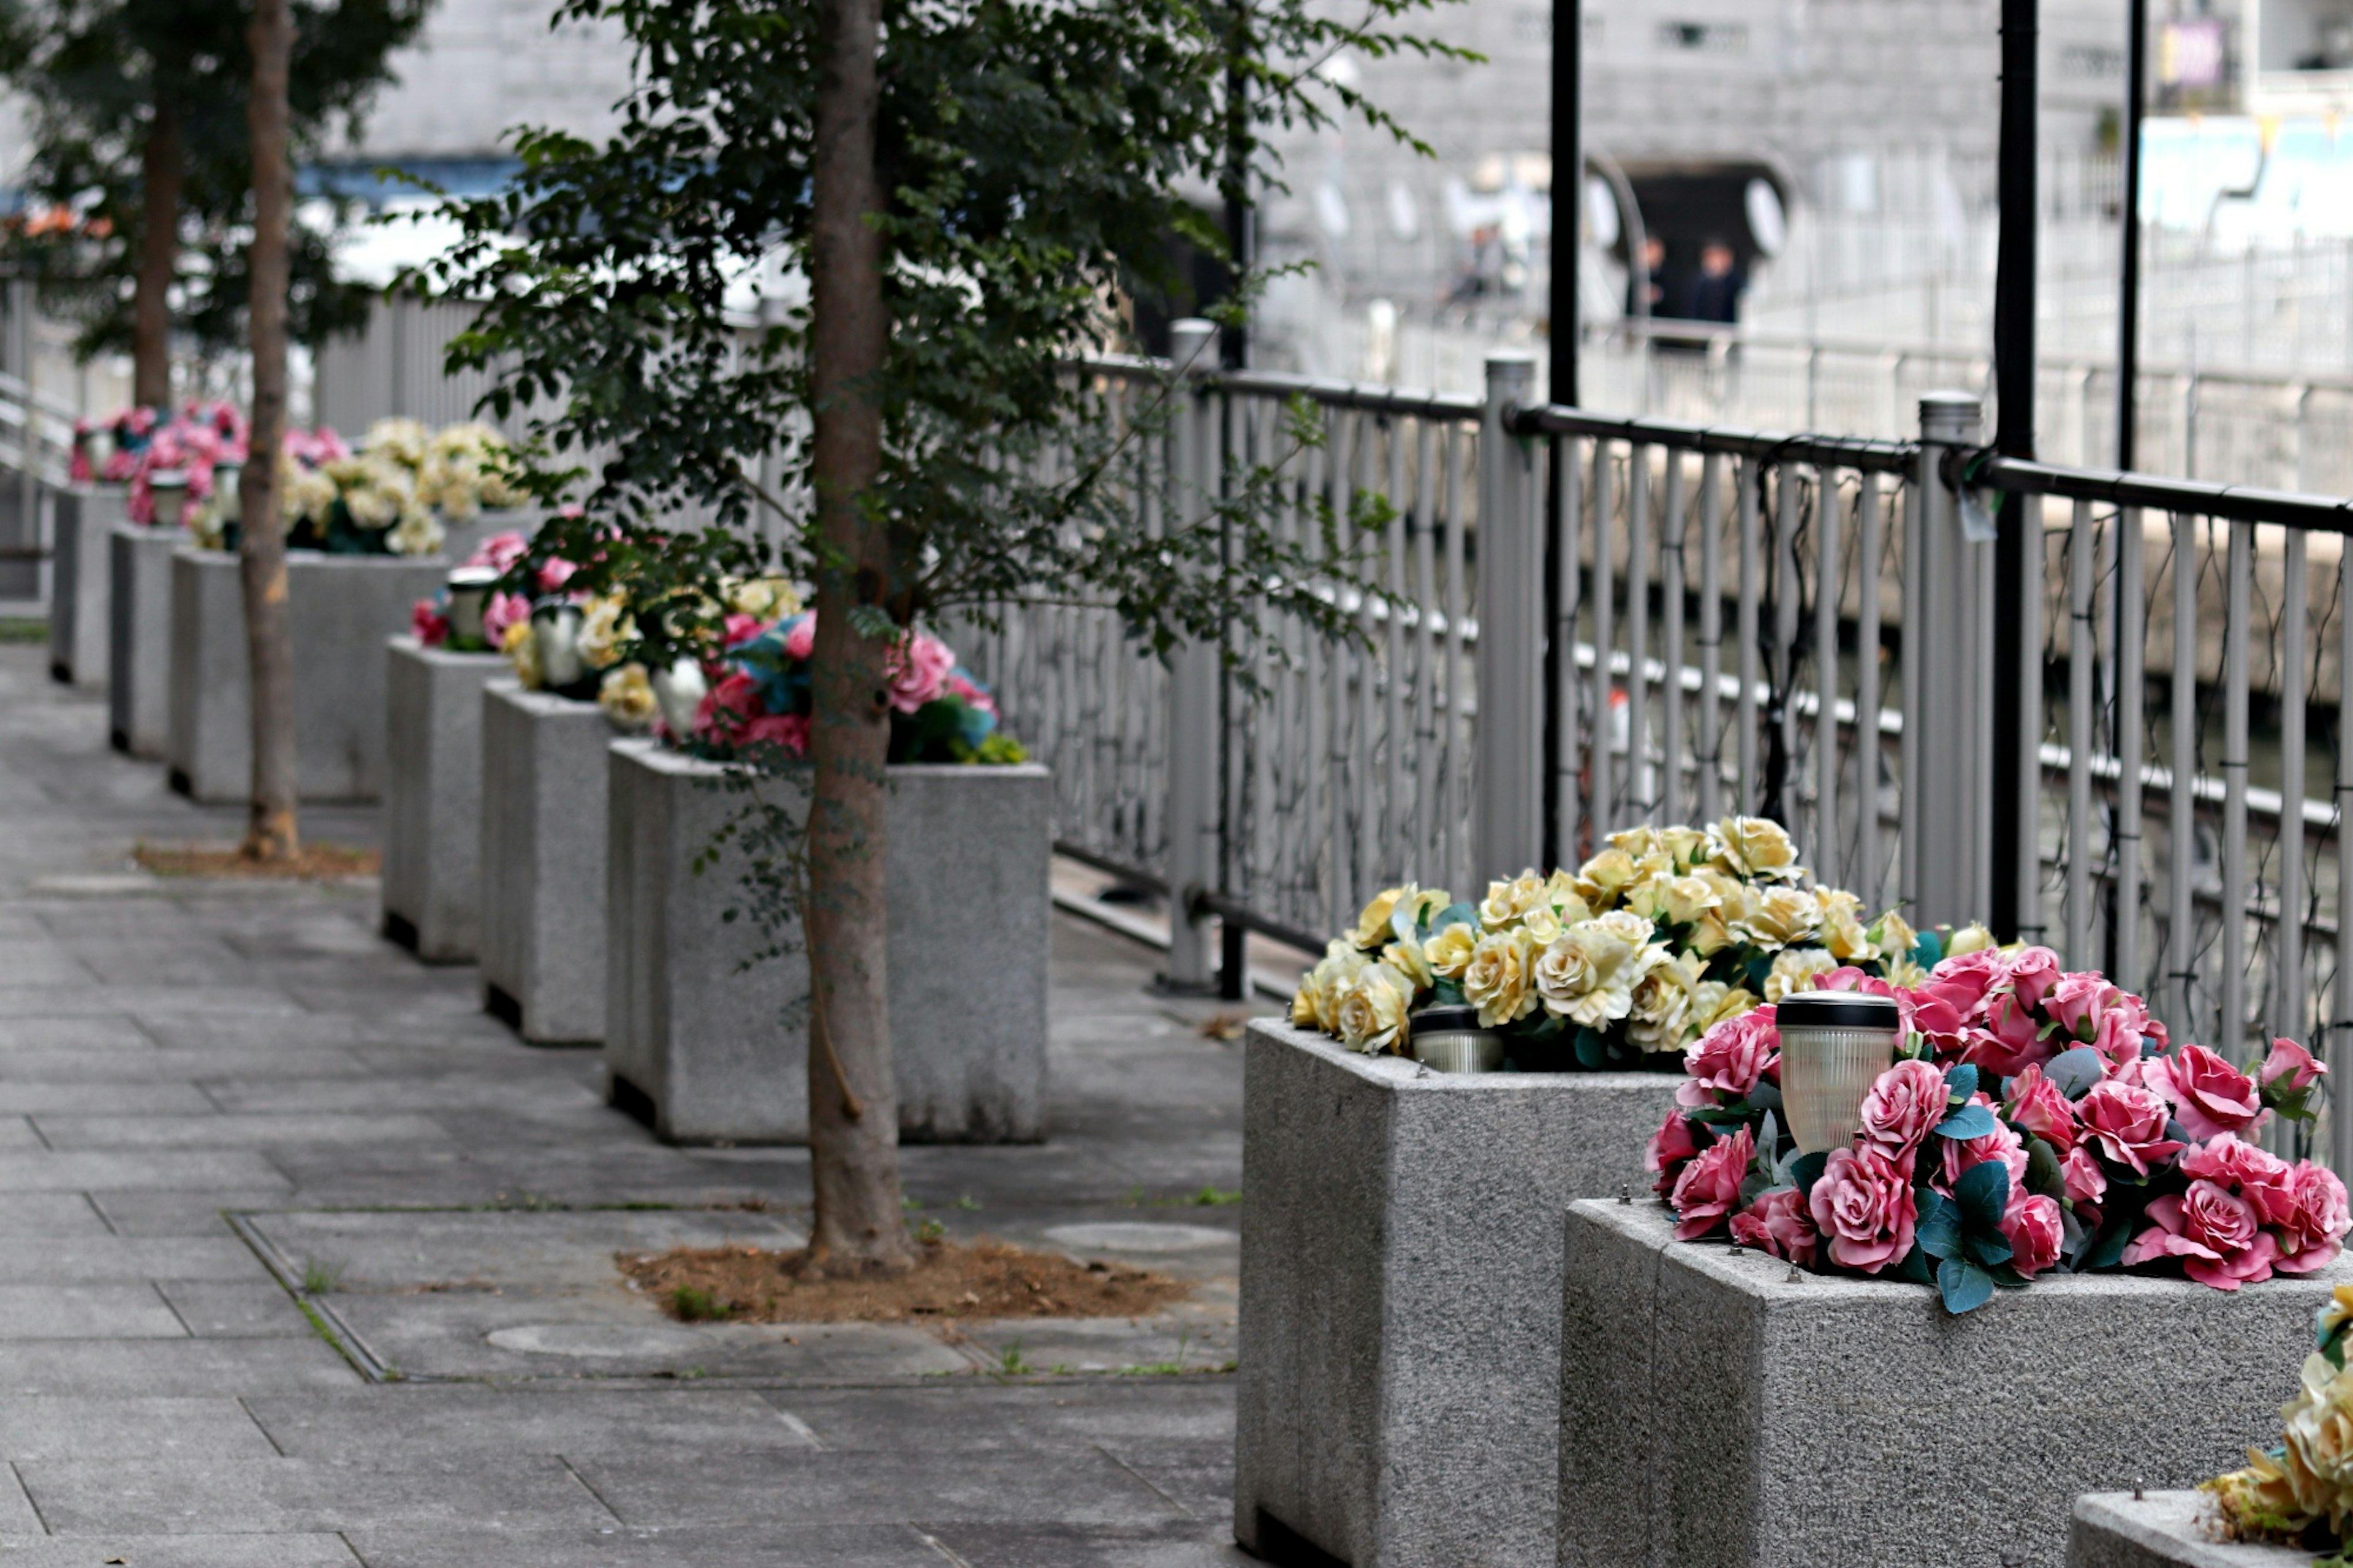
(2289, 1060)
(788, 732)
(2078, 1000)
(2002, 1143)
(500, 550)
(1777, 1223)
(430, 627)
(1709, 1189)
(738, 629)
(2207, 1093)
(800, 635)
(1671, 1146)
(962, 685)
(2122, 1031)
(1963, 982)
(1732, 1058)
(2032, 1227)
(2214, 1234)
(2086, 1183)
(1906, 1103)
(2254, 1173)
(916, 666)
(554, 572)
(1863, 1203)
(2036, 1105)
(2313, 1232)
(503, 610)
(2128, 1124)
(2030, 973)
(729, 705)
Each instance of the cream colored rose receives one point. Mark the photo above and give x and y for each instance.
(1601, 879)
(1543, 925)
(1664, 1002)
(1625, 926)
(1969, 939)
(1736, 1000)
(1372, 927)
(1448, 951)
(2318, 1429)
(604, 625)
(522, 652)
(1373, 1011)
(304, 493)
(764, 598)
(1589, 976)
(1320, 992)
(1841, 927)
(1685, 846)
(398, 439)
(1795, 969)
(1560, 892)
(1777, 917)
(1753, 847)
(626, 697)
(1893, 936)
(1406, 958)
(1508, 902)
(417, 533)
(1499, 979)
(1636, 842)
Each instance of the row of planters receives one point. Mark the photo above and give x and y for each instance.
(579, 820)
(1679, 1212)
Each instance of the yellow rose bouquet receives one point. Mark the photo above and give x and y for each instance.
(1664, 933)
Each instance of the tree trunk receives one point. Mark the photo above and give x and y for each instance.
(270, 831)
(162, 169)
(853, 1103)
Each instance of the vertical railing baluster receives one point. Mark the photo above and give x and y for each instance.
(2289, 1009)
(1868, 873)
(1402, 866)
(1429, 859)
(1459, 453)
(2132, 630)
(1827, 862)
(2183, 793)
(2239, 559)
(2028, 782)
(2083, 653)
(1710, 637)
(1569, 494)
(1788, 492)
(2340, 1031)
(1671, 643)
(1914, 592)
(1605, 713)
(1751, 480)
(1640, 794)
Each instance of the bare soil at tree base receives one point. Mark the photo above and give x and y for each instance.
(986, 1278)
(313, 863)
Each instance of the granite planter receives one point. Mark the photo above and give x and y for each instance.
(542, 859)
(1785, 1418)
(2164, 1530)
(1397, 1403)
(433, 797)
(139, 615)
(80, 582)
(340, 609)
(708, 1053)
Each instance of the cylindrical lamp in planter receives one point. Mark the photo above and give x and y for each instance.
(556, 631)
(1834, 1046)
(679, 692)
(169, 489)
(1452, 1039)
(470, 594)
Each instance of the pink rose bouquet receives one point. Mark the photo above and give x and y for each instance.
(2035, 1120)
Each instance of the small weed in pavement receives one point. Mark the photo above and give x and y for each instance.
(320, 1277)
(693, 1304)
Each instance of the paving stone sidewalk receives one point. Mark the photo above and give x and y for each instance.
(306, 1261)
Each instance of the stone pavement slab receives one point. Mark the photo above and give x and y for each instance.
(483, 1493)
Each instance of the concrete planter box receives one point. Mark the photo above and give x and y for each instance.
(1777, 1420)
(707, 1054)
(2163, 1530)
(340, 609)
(542, 859)
(80, 582)
(139, 615)
(1397, 1403)
(433, 797)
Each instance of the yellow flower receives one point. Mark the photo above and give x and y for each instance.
(522, 652)
(1969, 939)
(1636, 842)
(1893, 936)
(1779, 918)
(1687, 846)
(1396, 911)
(1498, 979)
(2317, 1426)
(1735, 1001)
(1841, 930)
(1560, 892)
(1754, 848)
(1406, 958)
(1447, 953)
(626, 697)
(1663, 1002)
(2259, 1502)
(1507, 902)
(605, 624)
(1372, 1014)
(764, 598)
(1793, 970)
(2339, 1311)
(1542, 924)
(1589, 976)
(1317, 1003)
(1600, 879)
(417, 533)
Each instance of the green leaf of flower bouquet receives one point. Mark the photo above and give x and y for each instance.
(2108, 1248)
(2043, 1172)
(1964, 1285)
(1939, 1228)
(1765, 1095)
(2075, 1072)
(1968, 1121)
(1961, 1081)
(1983, 1192)
(1914, 1269)
(1809, 1170)
(1591, 1054)
(1928, 950)
(1989, 1250)
(1454, 914)
(1449, 992)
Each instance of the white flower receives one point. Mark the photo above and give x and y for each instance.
(403, 441)
(417, 533)
(1588, 976)
(605, 624)
(1795, 969)
(521, 649)
(1372, 1017)
(627, 696)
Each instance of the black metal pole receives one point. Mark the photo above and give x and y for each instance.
(2013, 357)
(1233, 342)
(1567, 192)
(2129, 297)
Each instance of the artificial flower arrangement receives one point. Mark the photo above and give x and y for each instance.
(139, 444)
(758, 693)
(1662, 936)
(2300, 1491)
(389, 498)
(566, 642)
(2034, 1121)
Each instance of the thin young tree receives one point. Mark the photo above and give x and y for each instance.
(272, 832)
(971, 189)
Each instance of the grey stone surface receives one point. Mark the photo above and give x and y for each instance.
(433, 795)
(1400, 1279)
(138, 618)
(340, 609)
(542, 858)
(720, 1054)
(1817, 1419)
(2163, 1530)
(80, 582)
